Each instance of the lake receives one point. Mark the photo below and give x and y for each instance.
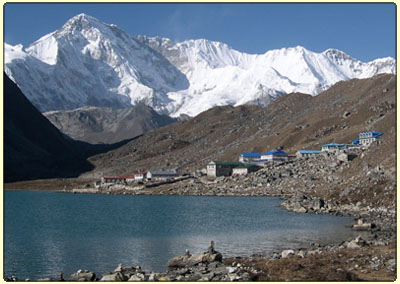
(46, 233)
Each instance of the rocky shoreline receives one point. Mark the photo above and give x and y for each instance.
(211, 266)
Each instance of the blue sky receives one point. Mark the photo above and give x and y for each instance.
(365, 31)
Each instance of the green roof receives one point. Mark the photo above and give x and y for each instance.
(245, 166)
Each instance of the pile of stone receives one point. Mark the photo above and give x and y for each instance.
(205, 266)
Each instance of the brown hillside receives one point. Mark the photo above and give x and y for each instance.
(296, 121)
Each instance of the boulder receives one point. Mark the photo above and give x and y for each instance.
(361, 226)
(353, 245)
(119, 268)
(134, 278)
(192, 260)
(298, 208)
(356, 243)
(118, 276)
(343, 157)
(83, 276)
(301, 254)
(317, 204)
(287, 252)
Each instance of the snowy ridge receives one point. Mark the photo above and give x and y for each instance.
(89, 63)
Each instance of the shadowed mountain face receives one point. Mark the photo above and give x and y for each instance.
(33, 147)
(107, 125)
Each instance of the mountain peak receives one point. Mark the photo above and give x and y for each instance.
(337, 54)
(82, 17)
(81, 22)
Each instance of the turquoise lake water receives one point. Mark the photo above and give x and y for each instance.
(46, 233)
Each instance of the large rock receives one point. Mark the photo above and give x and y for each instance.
(287, 252)
(187, 259)
(343, 157)
(118, 276)
(356, 243)
(84, 275)
(361, 226)
(191, 260)
(317, 204)
(298, 208)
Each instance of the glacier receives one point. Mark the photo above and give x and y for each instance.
(90, 63)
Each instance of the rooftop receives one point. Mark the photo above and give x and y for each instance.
(373, 134)
(334, 145)
(277, 152)
(250, 154)
(309, 151)
(246, 166)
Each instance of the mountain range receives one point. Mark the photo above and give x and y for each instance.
(90, 63)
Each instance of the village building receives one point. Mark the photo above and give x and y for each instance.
(162, 174)
(244, 170)
(249, 157)
(217, 168)
(275, 156)
(117, 179)
(366, 138)
(140, 176)
(334, 147)
(307, 153)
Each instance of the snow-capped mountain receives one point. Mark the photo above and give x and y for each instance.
(88, 62)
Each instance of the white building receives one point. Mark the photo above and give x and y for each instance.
(218, 168)
(334, 147)
(162, 174)
(139, 176)
(307, 153)
(244, 170)
(366, 138)
(275, 156)
(248, 157)
(117, 179)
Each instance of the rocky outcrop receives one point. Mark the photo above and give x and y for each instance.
(82, 275)
(205, 266)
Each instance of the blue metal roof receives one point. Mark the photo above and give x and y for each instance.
(309, 151)
(277, 152)
(356, 141)
(334, 145)
(250, 155)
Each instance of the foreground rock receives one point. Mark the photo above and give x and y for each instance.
(353, 260)
(205, 266)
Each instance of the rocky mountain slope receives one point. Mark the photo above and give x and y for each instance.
(107, 125)
(296, 121)
(33, 147)
(89, 63)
